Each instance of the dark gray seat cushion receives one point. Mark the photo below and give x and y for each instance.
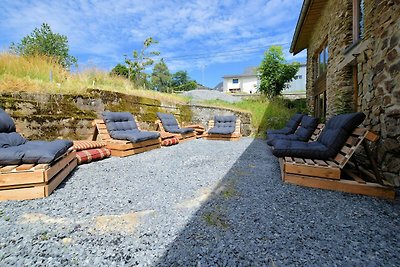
(6, 122)
(303, 132)
(44, 152)
(290, 127)
(15, 149)
(171, 125)
(332, 138)
(135, 136)
(11, 139)
(223, 125)
(33, 152)
(122, 126)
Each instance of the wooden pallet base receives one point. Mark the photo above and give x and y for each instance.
(133, 151)
(186, 137)
(227, 137)
(348, 186)
(36, 182)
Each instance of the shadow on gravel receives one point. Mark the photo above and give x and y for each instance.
(253, 219)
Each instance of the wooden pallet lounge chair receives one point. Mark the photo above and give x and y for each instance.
(167, 123)
(334, 173)
(31, 169)
(304, 131)
(225, 128)
(122, 146)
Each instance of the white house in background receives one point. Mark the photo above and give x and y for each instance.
(248, 82)
(242, 83)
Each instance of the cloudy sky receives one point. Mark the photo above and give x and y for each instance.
(208, 38)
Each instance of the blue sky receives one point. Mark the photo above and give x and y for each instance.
(208, 38)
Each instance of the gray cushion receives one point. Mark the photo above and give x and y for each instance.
(11, 139)
(135, 135)
(44, 152)
(291, 125)
(119, 121)
(223, 125)
(34, 152)
(6, 122)
(303, 132)
(11, 155)
(332, 138)
(171, 125)
(122, 126)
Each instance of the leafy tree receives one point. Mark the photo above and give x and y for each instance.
(140, 61)
(275, 72)
(182, 82)
(161, 77)
(120, 70)
(44, 42)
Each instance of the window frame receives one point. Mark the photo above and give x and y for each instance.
(358, 20)
(235, 79)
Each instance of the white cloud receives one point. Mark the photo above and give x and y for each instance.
(206, 29)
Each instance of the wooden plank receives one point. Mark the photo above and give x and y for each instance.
(359, 131)
(59, 177)
(299, 160)
(8, 168)
(322, 172)
(352, 141)
(321, 162)
(340, 159)
(24, 167)
(22, 193)
(18, 178)
(41, 166)
(346, 150)
(126, 145)
(371, 136)
(124, 153)
(58, 166)
(368, 189)
(354, 175)
(309, 161)
(289, 159)
(282, 167)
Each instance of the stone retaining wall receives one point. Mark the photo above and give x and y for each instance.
(51, 116)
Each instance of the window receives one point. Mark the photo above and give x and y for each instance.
(320, 69)
(358, 20)
(235, 80)
(322, 61)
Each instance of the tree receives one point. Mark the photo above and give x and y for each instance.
(161, 77)
(275, 72)
(182, 82)
(44, 42)
(140, 61)
(120, 70)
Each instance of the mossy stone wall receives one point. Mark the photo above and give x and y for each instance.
(52, 116)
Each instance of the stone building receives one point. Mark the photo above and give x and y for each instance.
(353, 64)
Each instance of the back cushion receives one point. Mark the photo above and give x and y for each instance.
(119, 121)
(168, 121)
(225, 121)
(294, 121)
(338, 129)
(11, 139)
(307, 127)
(6, 122)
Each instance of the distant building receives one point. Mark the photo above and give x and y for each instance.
(248, 82)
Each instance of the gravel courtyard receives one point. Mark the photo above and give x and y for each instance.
(200, 203)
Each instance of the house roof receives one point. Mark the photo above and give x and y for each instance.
(309, 15)
(248, 72)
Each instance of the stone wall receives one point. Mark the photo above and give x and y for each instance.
(376, 58)
(52, 116)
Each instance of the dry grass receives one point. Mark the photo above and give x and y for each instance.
(32, 74)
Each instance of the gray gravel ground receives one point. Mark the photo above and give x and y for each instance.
(200, 203)
(201, 95)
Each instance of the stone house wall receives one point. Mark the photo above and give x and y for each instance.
(377, 58)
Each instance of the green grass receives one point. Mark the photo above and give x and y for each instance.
(32, 74)
(266, 114)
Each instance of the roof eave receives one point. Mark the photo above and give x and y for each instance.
(304, 10)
